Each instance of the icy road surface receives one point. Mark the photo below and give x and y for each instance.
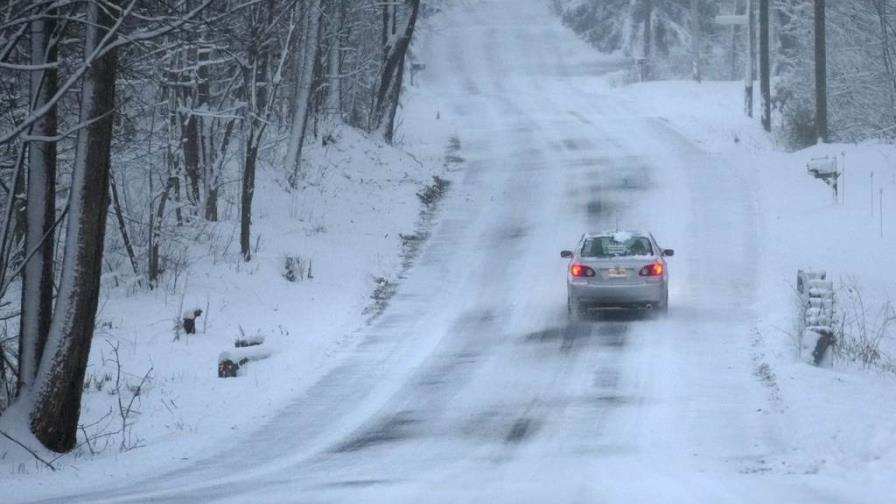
(473, 386)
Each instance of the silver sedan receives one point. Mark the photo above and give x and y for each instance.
(617, 269)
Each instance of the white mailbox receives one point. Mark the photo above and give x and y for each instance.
(826, 170)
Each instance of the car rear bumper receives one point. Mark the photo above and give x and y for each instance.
(608, 295)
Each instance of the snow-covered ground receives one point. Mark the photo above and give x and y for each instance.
(472, 386)
(837, 420)
(345, 225)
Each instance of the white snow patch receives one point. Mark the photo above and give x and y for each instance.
(622, 236)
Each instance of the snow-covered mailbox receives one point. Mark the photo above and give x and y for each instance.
(825, 169)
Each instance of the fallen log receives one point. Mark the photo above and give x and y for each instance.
(231, 361)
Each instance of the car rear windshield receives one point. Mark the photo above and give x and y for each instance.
(616, 246)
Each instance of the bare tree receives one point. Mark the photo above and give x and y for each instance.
(60, 377)
(696, 42)
(262, 63)
(303, 90)
(190, 80)
(765, 93)
(821, 84)
(399, 19)
(334, 25)
(37, 274)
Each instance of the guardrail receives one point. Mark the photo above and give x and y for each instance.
(817, 318)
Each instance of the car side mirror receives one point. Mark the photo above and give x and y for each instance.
(566, 254)
(668, 252)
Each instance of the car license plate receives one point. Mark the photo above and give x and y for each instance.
(617, 273)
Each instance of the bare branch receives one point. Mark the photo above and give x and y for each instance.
(29, 450)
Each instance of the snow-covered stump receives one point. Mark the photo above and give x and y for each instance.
(189, 320)
(246, 349)
(816, 325)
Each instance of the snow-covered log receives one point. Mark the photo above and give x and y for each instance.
(248, 341)
(231, 361)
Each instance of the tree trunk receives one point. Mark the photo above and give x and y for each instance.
(765, 93)
(648, 29)
(334, 60)
(60, 379)
(122, 225)
(20, 219)
(248, 190)
(37, 275)
(821, 85)
(191, 154)
(174, 148)
(205, 130)
(788, 45)
(191, 123)
(214, 172)
(696, 42)
(749, 73)
(880, 7)
(303, 93)
(733, 61)
(389, 88)
(155, 233)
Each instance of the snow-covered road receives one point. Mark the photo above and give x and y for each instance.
(473, 386)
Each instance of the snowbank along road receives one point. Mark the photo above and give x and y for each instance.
(473, 385)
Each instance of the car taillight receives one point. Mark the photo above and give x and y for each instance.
(580, 270)
(655, 269)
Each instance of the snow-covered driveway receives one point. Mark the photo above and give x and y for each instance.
(473, 386)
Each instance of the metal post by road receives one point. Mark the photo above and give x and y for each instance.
(871, 200)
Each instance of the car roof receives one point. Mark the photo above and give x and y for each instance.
(614, 232)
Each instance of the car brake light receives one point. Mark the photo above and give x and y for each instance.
(655, 269)
(580, 270)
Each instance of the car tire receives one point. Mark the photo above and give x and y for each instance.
(663, 308)
(573, 310)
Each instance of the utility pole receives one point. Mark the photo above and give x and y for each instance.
(695, 38)
(748, 87)
(821, 86)
(764, 78)
(645, 63)
(648, 29)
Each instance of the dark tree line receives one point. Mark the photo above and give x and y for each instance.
(149, 112)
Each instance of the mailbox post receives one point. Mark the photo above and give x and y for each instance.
(825, 169)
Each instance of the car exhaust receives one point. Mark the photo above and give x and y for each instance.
(648, 307)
